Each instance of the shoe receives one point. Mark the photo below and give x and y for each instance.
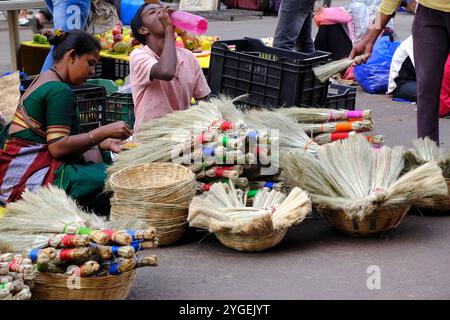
(24, 22)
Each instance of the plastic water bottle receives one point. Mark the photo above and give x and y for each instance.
(189, 22)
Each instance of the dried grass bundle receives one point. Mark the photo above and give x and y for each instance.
(325, 138)
(326, 71)
(353, 177)
(425, 150)
(223, 209)
(317, 115)
(333, 127)
(175, 134)
(291, 135)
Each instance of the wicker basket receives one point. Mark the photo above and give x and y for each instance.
(156, 182)
(382, 219)
(441, 203)
(170, 221)
(158, 194)
(251, 243)
(51, 286)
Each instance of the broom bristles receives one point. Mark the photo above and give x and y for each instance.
(357, 179)
(326, 71)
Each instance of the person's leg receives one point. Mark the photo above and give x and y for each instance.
(407, 91)
(305, 42)
(291, 18)
(431, 39)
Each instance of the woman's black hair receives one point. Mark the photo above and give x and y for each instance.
(136, 23)
(81, 41)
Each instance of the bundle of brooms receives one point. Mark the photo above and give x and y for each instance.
(223, 211)
(210, 139)
(62, 241)
(360, 190)
(426, 150)
(329, 125)
(16, 276)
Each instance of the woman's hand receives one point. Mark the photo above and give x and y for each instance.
(114, 145)
(116, 130)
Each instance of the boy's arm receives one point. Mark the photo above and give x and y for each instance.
(167, 64)
(201, 89)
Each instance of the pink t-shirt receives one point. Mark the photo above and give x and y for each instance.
(154, 99)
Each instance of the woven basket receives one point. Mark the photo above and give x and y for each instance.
(382, 219)
(441, 203)
(51, 286)
(156, 182)
(170, 222)
(251, 243)
(158, 194)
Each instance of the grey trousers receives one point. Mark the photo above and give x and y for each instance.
(295, 26)
(431, 37)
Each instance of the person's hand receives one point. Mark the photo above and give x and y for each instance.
(114, 145)
(164, 18)
(117, 130)
(365, 46)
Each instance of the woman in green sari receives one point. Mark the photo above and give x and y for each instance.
(42, 143)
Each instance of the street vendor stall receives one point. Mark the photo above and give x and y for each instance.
(12, 7)
(32, 56)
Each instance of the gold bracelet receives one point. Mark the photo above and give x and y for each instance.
(92, 139)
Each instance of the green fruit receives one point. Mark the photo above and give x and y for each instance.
(43, 39)
(37, 38)
(119, 82)
(120, 48)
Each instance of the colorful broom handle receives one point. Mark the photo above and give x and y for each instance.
(252, 193)
(355, 114)
(339, 136)
(344, 126)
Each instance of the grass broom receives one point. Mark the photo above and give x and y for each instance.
(317, 115)
(326, 71)
(333, 127)
(291, 134)
(324, 138)
(223, 208)
(353, 177)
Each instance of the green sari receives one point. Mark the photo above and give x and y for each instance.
(52, 108)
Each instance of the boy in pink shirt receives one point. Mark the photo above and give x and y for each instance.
(163, 78)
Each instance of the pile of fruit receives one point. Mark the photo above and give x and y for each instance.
(40, 39)
(194, 43)
(119, 40)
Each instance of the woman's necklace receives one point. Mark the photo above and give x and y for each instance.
(57, 74)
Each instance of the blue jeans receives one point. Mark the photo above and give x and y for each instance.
(67, 15)
(407, 91)
(295, 26)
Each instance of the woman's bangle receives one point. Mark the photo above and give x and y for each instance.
(92, 138)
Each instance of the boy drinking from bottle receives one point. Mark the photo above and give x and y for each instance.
(163, 78)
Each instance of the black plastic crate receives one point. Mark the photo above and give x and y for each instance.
(91, 102)
(120, 107)
(341, 97)
(271, 76)
(112, 69)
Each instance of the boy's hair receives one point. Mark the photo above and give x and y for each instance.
(63, 41)
(136, 23)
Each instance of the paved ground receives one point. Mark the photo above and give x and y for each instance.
(313, 261)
